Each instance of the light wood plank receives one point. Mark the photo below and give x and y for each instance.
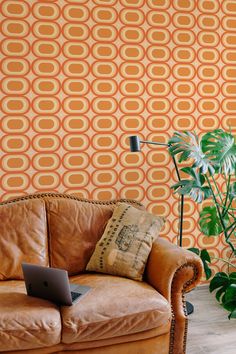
(209, 329)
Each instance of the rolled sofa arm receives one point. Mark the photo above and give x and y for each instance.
(173, 271)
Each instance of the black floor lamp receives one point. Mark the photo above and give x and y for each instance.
(135, 147)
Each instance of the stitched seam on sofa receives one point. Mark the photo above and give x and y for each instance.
(29, 330)
(47, 239)
(117, 318)
(47, 206)
(125, 337)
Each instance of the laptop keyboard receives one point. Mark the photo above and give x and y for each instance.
(74, 295)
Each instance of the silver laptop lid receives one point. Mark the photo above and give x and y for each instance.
(47, 283)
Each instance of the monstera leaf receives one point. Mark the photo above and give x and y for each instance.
(193, 187)
(230, 300)
(220, 281)
(187, 145)
(209, 221)
(232, 190)
(220, 148)
(226, 293)
(214, 154)
(205, 257)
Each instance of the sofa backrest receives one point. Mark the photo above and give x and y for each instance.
(23, 236)
(53, 229)
(74, 229)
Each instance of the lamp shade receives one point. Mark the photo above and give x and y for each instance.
(134, 143)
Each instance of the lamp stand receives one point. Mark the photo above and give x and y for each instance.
(135, 147)
(189, 306)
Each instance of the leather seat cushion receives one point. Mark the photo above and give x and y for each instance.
(26, 322)
(114, 307)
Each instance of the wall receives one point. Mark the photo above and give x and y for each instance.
(79, 77)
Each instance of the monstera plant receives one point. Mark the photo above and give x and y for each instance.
(211, 176)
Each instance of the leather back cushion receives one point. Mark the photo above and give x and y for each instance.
(74, 229)
(23, 237)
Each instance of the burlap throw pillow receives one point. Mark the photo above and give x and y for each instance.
(126, 242)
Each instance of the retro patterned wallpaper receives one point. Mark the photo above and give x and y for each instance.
(79, 76)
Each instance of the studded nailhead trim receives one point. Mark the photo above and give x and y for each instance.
(173, 322)
(70, 196)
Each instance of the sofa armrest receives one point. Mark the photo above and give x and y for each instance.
(173, 271)
(169, 265)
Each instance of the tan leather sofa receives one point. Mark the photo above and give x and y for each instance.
(118, 316)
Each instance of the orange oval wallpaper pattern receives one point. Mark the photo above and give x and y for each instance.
(79, 76)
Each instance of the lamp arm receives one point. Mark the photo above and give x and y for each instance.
(153, 143)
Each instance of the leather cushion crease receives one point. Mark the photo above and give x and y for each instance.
(118, 315)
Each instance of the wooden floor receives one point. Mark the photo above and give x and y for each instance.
(209, 329)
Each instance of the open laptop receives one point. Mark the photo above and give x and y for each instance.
(51, 284)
